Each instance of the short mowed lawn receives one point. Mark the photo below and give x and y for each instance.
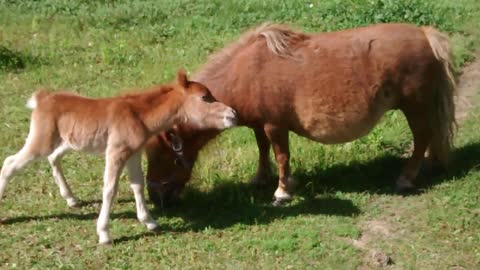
(344, 210)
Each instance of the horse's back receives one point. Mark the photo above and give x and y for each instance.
(337, 85)
(354, 76)
(334, 87)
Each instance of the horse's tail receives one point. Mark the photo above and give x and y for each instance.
(443, 121)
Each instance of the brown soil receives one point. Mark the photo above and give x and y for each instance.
(468, 85)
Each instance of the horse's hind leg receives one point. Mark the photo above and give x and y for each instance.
(279, 139)
(420, 126)
(55, 162)
(263, 171)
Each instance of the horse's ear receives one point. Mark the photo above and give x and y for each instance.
(182, 78)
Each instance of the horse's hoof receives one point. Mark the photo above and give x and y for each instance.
(259, 181)
(281, 201)
(406, 190)
(281, 197)
(404, 186)
(292, 183)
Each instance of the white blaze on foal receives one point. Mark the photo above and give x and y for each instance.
(118, 127)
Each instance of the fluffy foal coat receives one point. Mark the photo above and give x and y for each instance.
(118, 127)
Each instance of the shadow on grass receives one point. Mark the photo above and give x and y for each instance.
(71, 214)
(211, 210)
(233, 203)
(226, 205)
(217, 209)
(11, 60)
(378, 175)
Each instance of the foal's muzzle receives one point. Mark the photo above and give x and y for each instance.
(230, 119)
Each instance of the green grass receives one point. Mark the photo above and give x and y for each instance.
(99, 48)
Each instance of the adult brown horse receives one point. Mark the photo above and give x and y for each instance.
(329, 87)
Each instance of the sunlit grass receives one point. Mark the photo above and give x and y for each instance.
(100, 48)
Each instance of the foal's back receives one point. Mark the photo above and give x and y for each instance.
(82, 123)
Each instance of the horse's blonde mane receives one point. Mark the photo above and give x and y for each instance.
(279, 39)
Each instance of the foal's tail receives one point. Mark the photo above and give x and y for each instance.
(443, 121)
(37, 96)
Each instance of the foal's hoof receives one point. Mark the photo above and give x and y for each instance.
(74, 203)
(106, 244)
(153, 227)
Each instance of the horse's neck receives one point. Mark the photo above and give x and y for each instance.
(159, 111)
(199, 139)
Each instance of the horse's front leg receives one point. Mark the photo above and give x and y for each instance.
(263, 174)
(279, 138)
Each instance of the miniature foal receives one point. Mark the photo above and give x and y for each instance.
(118, 127)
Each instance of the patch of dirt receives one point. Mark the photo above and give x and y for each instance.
(468, 85)
(373, 231)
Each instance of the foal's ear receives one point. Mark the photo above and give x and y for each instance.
(182, 78)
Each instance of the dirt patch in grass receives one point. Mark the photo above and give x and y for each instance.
(373, 231)
(468, 85)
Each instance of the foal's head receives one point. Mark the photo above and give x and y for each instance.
(201, 109)
(172, 153)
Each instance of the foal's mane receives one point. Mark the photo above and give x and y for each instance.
(149, 93)
(280, 39)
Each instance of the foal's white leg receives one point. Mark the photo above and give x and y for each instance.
(113, 168)
(55, 162)
(13, 164)
(134, 166)
(25, 156)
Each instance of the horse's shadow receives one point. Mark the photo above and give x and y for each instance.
(378, 175)
(236, 203)
(202, 211)
(233, 203)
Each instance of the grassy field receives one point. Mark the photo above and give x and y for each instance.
(344, 209)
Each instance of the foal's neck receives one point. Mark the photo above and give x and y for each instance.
(158, 108)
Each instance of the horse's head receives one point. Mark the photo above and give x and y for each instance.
(171, 156)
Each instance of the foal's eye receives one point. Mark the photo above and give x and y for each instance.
(208, 98)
